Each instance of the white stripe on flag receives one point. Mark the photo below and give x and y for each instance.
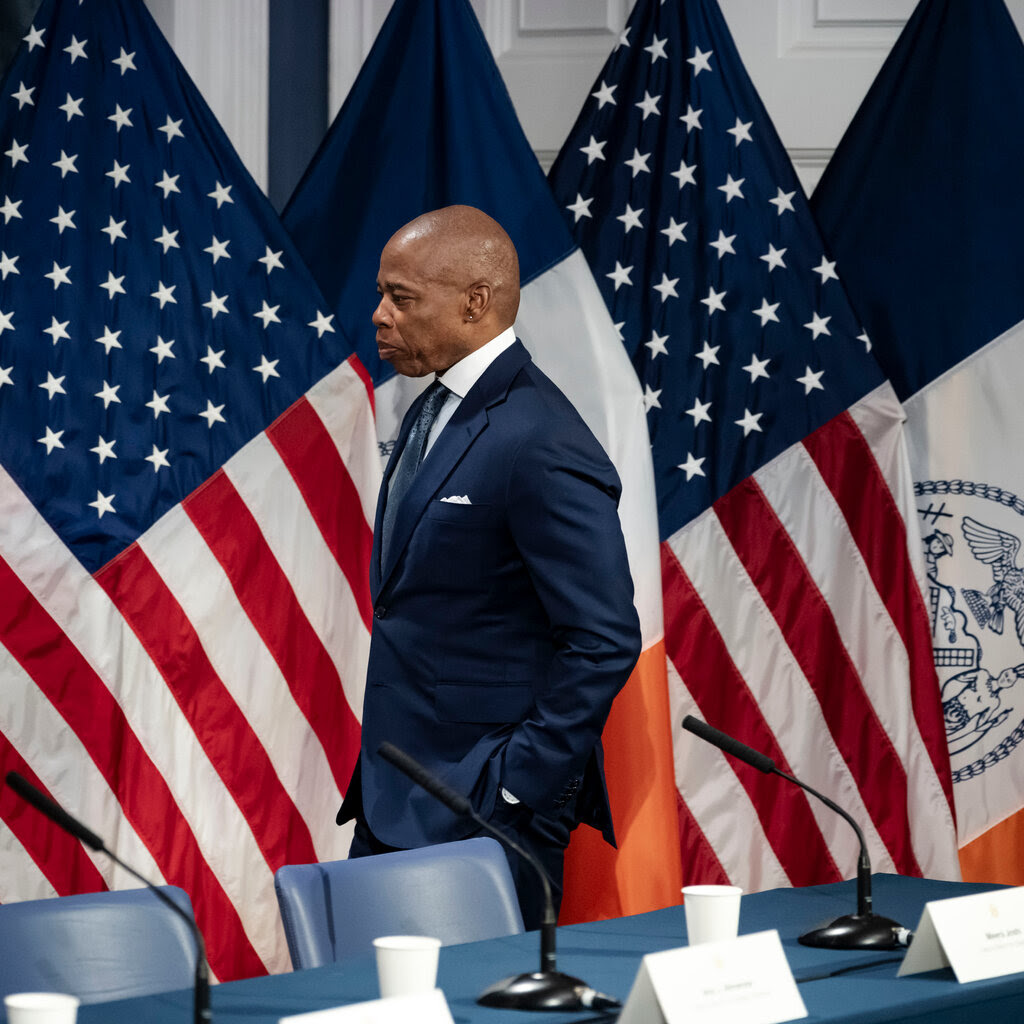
(875, 415)
(268, 490)
(17, 867)
(778, 685)
(721, 806)
(42, 737)
(342, 402)
(242, 661)
(85, 614)
(815, 525)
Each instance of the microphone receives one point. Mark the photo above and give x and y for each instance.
(41, 802)
(548, 988)
(863, 930)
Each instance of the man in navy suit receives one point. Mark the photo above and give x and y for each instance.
(504, 623)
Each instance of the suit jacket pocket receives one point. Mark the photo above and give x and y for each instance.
(469, 516)
(483, 702)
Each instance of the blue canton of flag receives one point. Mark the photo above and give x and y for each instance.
(687, 207)
(153, 317)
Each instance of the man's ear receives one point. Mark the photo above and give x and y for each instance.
(478, 300)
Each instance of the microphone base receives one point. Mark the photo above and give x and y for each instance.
(541, 990)
(855, 931)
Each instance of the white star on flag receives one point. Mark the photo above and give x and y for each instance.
(757, 368)
(103, 503)
(268, 315)
(218, 250)
(827, 270)
(666, 287)
(818, 325)
(631, 218)
(767, 312)
(213, 414)
(700, 61)
(51, 440)
(692, 466)
(713, 301)
(580, 208)
(741, 131)
(674, 231)
(158, 459)
(699, 411)
(620, 275)
(272, 260)
(649, 105)
(158, 403)
(811, 380)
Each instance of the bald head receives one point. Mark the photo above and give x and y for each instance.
(463, 246)
(449, 282)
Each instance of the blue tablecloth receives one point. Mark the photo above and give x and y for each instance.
(607, 954)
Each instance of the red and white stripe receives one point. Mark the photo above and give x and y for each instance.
(201, 691)
(793, 622)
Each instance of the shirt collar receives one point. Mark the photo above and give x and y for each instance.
(460, 377)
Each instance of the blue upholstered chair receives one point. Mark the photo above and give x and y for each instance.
(458, 892)
(98, 946)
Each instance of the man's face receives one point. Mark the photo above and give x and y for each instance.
(419, 318)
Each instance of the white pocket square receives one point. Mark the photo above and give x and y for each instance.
(458, 499)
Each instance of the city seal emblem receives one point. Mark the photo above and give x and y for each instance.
(975, 596)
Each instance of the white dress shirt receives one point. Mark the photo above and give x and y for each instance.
(458, 379)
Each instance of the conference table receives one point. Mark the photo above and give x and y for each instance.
(855, 987)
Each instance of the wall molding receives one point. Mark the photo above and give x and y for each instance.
(822, 27)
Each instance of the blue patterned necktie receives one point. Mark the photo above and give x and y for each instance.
(411, 457)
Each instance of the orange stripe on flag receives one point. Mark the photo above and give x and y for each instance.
(645, 872)
(996, 855)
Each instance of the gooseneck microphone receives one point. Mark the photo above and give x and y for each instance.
(863, 930)
(41, 802)
(548, 988)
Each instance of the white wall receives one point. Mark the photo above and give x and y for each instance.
(811, 60)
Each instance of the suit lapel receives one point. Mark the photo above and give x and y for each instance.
(469, 420)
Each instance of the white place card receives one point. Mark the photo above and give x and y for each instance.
(745, 980)
(979, 936)
(423, 1007)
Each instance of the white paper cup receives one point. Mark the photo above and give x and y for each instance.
(406, 964)
(712, 912)
(41, 1008)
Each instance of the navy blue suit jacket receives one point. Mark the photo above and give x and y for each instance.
(504, 628)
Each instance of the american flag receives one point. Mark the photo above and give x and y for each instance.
(793, 616)
(188, 472)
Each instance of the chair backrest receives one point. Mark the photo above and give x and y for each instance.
(98, 946)
(458, 892)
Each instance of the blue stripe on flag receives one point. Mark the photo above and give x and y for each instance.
(428, 123)
(922, 201)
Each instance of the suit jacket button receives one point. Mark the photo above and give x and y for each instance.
(380, 612)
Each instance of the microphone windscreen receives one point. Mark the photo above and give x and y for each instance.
(708, 733)
(41, 802)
